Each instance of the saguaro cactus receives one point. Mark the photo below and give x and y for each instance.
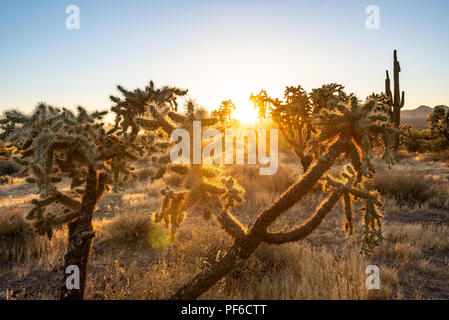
(348, 128)
(56, 146)
(395, 100)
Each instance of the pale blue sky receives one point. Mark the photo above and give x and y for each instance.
(218, 49)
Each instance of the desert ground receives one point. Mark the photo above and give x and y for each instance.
(133, 258)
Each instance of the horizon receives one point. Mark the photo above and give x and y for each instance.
(218, 51)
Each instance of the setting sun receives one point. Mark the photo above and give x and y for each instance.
(246, 114)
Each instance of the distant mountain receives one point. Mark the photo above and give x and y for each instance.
(420, 112)
(416, 117)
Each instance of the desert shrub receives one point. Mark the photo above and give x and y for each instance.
(6, 180)
(438, 144)
(298, 271)
(144, 174)
(424, 141)
(8, 168)
(401, 155)
(434, 156)
(250, 179)
(404, 186)
(19, 242)
(416, 145)
(173, 180)
(135, 230)
(439, 121)
(15, 236)
(417, 140)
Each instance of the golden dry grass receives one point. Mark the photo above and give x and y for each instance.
(327, 265)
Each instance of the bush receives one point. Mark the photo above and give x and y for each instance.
(19, 242)
(145, 174)
(434, 156)
(16, 235)
(401, 155)
(8, 168)
(6, 180)
(135, 230)
(404, 186)
(425, 141)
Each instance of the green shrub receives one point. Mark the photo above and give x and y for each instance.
(425, 141)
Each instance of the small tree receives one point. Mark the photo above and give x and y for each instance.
(439, 121)
(56, 146)
(348, 128)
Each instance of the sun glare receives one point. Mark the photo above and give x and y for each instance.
(246, 114)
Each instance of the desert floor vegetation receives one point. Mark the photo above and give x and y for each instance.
(134, 259)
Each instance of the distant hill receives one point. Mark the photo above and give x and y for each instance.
(421, 111)
(416, 117)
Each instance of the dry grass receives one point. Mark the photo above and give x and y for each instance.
(134, 259)
(405, 186)
(295, 272)
(134, 230)
(18, 241)
(441, 156)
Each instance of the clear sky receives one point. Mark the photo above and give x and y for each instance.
(218, 49)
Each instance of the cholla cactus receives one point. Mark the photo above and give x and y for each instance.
(293, 115)
(224, 112)
(345, 129)
(439, 120)
(203, 189)
(56, 146)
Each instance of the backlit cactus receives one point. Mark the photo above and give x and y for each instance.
(56, 146)
(293, 115)
(203, 188)
(345, 128)
(224, 112)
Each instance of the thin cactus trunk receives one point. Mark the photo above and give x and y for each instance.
(245, 245)
(81, 235)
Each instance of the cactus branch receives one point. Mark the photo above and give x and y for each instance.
(308, 226)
